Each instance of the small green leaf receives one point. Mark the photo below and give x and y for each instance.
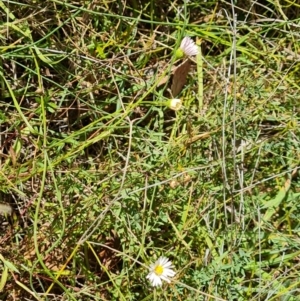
(3, 278)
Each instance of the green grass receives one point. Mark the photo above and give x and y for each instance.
(104, 178)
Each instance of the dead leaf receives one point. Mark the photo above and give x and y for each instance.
(179, 77)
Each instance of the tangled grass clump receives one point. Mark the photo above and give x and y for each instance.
(100, 175)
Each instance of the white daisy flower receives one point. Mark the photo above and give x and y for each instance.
(162, 269)
(187, 47)
(175, 104)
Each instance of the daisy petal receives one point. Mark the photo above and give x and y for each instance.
(189, 47)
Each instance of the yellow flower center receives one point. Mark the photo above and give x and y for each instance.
(158, 270)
